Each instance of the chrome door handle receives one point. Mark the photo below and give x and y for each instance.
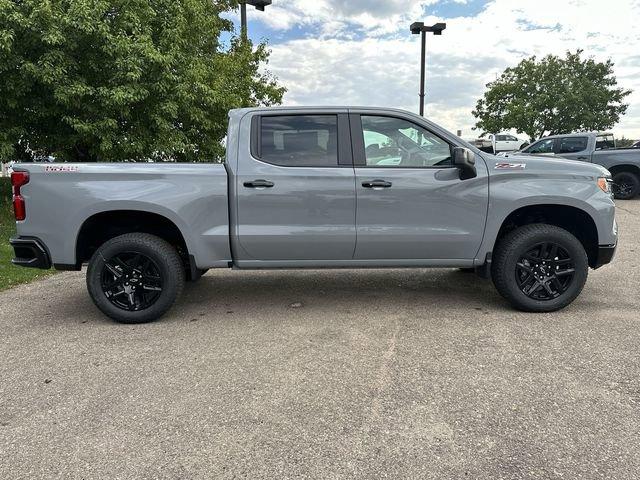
(259, 184)
(376, 184)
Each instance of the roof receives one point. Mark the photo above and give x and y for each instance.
(579, 134)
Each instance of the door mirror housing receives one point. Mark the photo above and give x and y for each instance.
(465, 160)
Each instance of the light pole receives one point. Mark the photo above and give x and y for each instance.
(259, 4)
(416, 28)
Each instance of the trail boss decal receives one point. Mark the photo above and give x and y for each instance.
(61, 168)
(510, 166)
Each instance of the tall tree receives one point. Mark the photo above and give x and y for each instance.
(551, 96)
(105, 80)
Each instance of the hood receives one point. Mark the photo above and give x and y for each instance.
(524, 163)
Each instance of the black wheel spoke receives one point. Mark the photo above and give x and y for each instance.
(545, 271)
(561, 273)
(548, 288)
(131, 281)
(113, 270)
(524, 267)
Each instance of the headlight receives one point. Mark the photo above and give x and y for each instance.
(605, 185)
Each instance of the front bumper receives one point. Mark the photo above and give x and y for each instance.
(605, 255)
(30, 252)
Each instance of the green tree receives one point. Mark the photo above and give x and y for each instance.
(551, 96)
(624, 142)
(106, 80)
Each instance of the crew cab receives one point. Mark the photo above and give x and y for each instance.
(600, 148)
(318, 187)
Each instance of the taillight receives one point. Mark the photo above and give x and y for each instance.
(18, 179)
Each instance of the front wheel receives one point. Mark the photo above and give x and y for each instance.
(539, 268)
(135, 278)
(626, 185)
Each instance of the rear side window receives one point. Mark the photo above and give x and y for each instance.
(299, 140)
(572, 144)
(605, 142)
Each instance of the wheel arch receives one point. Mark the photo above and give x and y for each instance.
(624, 167)
(105, 225)
(573, 219)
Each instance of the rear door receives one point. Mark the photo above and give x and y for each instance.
(295, 189)
(411, 203)
(574, 148)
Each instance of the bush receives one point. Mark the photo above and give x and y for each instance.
(6, 213)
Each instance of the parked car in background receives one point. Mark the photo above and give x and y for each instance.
(594, 147)
(501, 142)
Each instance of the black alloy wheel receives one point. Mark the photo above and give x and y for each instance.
(626, 185)
(545, 272)
(131, 281)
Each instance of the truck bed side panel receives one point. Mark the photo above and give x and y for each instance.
(61, 197)
(612, 158)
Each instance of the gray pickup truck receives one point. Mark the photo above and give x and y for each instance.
(318, 188)
(599, 148)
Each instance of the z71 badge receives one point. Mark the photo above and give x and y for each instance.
(510, 166)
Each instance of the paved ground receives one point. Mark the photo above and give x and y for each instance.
(326, 374)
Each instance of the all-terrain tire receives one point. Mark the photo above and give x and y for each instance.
(626, 185)
(507, 265)
(109, 264)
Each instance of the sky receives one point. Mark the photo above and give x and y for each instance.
(360, 52)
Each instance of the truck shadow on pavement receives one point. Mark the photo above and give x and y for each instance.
(329, 290)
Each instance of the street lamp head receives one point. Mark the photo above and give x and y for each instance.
(438, 28)
(416, 27)
(259, 4)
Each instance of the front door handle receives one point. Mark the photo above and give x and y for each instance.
(259, 184)
(376, 184)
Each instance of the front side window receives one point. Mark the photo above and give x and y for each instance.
(299, 140)
(543, 146)
(511, 138)
(501, 138)
(572, 144)
(393, 142)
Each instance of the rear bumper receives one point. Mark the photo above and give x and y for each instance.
(605, 255)
(30, 252)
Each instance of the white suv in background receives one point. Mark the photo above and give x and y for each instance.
(500, 142)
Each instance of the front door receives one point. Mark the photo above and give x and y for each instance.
(295, 190)
(411, 203)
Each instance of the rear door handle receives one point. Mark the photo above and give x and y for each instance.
(259, 184)
(376, 184)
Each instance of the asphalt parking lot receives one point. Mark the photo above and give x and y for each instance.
(326, 374)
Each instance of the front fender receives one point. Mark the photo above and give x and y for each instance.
(510, 193)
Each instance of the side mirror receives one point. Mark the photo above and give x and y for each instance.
(465, 160)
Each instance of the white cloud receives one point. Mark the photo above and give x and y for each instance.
(382, 68)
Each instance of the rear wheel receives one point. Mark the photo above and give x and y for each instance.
(626, 185)
(135, 278)
(539, 268)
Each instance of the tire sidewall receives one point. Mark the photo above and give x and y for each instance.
(170, 286)
(522, 245)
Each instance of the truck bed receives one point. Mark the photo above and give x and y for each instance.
(60, 198)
